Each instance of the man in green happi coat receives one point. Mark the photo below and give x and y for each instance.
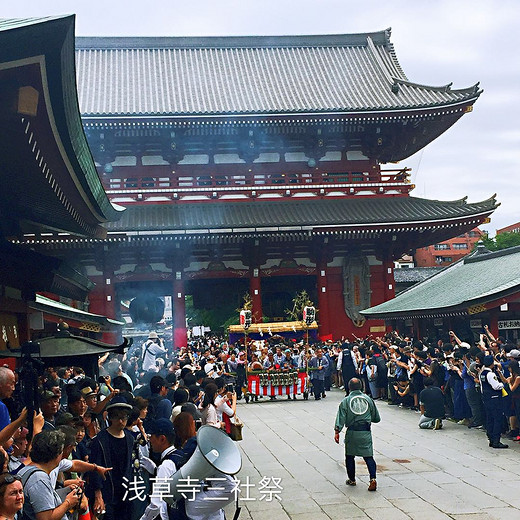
(357, 412)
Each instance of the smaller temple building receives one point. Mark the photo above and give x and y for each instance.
(481, 289)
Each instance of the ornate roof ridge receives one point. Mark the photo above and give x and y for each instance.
(479, 256)
(244, 41)
(395, 81)
(463, 201)
(473, 89)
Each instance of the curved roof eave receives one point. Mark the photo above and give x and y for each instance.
(67, 345)
(319, 214)
(331, 112)
(66, 95)
(461, 308)
(50, 42)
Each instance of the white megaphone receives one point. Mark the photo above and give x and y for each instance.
(215, 453)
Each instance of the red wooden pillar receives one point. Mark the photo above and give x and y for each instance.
(110, 294)
(493, 322)
(323, 298)
(256, 294)
(180, 333)
(109, 304)
(24, 329)
(388, 279)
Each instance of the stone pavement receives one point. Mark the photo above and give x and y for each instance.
(422, 474)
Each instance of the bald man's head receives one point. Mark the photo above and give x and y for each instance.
(355, 384)
(7, 382)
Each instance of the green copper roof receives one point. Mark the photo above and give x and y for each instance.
(478, 278)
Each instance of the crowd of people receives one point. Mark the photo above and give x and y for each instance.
(475, 384)
(137, 421)
(99, 448)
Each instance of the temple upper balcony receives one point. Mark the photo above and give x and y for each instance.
(129, 185)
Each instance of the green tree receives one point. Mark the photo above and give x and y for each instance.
(505, 240)
(300, 301)
(502, 241)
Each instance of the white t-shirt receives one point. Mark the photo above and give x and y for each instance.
(150, 352)
(210, 416)
(223, 407)
(64, 465)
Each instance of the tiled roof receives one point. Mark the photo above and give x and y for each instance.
(476, 279)
(67, 348)
(249, 75)
(308, 214)
(414, 274)
(44, 304)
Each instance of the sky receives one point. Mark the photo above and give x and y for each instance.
(437, 42)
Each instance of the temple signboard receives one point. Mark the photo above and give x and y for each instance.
(508, 324)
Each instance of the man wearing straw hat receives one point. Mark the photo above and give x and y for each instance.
(151, 349)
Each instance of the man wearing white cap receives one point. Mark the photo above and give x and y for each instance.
(151, 349)
(211, 368)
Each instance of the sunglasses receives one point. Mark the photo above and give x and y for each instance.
(7, 478)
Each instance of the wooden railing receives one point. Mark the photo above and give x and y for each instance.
(254, 180)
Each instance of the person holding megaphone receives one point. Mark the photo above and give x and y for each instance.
(178, 445)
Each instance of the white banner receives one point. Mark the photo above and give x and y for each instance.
(509, 324)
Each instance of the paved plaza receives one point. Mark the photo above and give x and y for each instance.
(422, 474)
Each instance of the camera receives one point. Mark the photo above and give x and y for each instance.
(230, 387)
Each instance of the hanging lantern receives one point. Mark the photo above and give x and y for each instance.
(309, 315)
(245, 319)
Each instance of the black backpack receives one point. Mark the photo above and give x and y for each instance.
(142, 352)
(136, 350)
